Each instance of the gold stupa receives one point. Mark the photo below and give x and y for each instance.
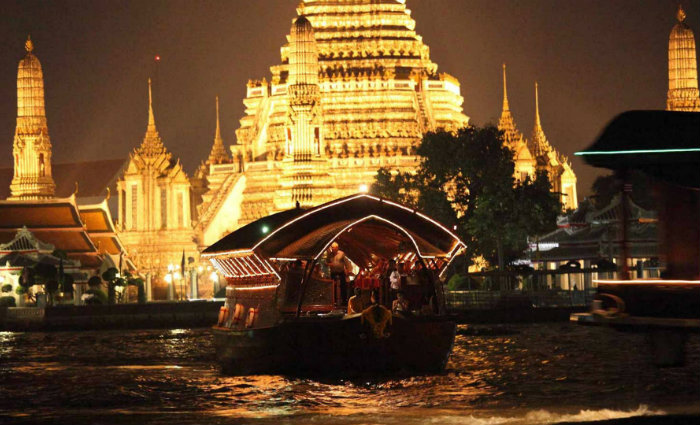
(355, 91)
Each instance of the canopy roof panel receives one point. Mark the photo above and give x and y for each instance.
(362, 224)
(664, 144)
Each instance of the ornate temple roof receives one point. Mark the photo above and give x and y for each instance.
(506, 123)
(364, 33)
(540, 144)
(682, 68)
(218, 154)
(152, 146)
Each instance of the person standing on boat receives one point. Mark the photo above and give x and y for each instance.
(340, 268)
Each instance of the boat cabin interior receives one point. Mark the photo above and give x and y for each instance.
(333, 260)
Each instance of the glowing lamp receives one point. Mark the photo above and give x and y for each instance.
(214, 277)
(265, 229)
(157, 58)
(364, 188)
(168, 278)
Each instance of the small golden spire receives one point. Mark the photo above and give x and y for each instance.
(28, 45)
(537, 107)
(681, 13)
(506, 107)
(218, 128)
(151, 119)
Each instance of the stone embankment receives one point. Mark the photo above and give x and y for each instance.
(190, 314)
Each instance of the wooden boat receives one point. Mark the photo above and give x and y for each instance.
(283, 313)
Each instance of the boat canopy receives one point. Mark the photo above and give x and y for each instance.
(663, 144)
(365, 226)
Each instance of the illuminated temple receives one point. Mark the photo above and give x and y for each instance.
(682, 68)
(355, 91)
(537, 154)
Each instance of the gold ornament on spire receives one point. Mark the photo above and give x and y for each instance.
(680, 15)
(151, 118)
(28, 45)
(506, 107)
(218, 154)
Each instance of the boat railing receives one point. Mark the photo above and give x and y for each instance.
(510, 299)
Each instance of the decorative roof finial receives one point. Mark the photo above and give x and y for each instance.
(681, 13)
(28, 45)
(151, 119)
(537, 106)
(218, 128)
(506, 107)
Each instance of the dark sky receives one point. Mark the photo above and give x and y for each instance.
(593, 59)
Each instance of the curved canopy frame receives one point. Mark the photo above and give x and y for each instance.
(306, 234)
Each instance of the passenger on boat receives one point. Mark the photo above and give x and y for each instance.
(400, 304)
(396, 279)
(340, 267)
(386, 282)
(373, 297)
(355, 303)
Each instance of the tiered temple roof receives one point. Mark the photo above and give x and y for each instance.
(379, 92)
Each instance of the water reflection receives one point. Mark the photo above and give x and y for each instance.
(524, 373)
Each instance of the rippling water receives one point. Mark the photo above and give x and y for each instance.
(509, 374)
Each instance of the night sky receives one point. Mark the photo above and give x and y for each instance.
(592, 59)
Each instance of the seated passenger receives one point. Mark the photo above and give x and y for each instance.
(400, 304)
(355, 304)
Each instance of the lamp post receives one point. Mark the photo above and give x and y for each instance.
(169, 279)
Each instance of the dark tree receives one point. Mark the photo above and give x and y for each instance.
(605, 188)
(466, 180)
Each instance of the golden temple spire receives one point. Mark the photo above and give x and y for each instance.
(218, 154)
(28, 45)
(151, 118)
(680, 15)
(151, 146)
(683, 92)
(540, 145)
(538, 123)
(506, 107)
(507, 123)
(32, 147)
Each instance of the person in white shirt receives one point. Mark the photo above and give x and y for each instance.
(340, 267)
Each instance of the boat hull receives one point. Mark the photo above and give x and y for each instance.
(337, 347)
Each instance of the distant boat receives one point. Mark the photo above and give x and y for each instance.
(665, 145)
(282, 311)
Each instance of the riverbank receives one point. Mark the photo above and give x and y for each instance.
(156, 315)
(196, 314)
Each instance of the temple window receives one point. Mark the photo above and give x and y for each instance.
(134, 206)
(163, 208)
(42, 167)
(181, 210)
(122, 202)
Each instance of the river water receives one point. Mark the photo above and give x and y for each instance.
(514, 374)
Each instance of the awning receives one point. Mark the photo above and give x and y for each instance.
(663, 144)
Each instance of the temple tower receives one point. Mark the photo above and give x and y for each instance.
(682, 68)
(524, 163)
(303, 136)
(305, 180)
(558, 167)
(155, 208)
(32, 147)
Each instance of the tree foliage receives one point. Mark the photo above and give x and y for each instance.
(465, 180)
